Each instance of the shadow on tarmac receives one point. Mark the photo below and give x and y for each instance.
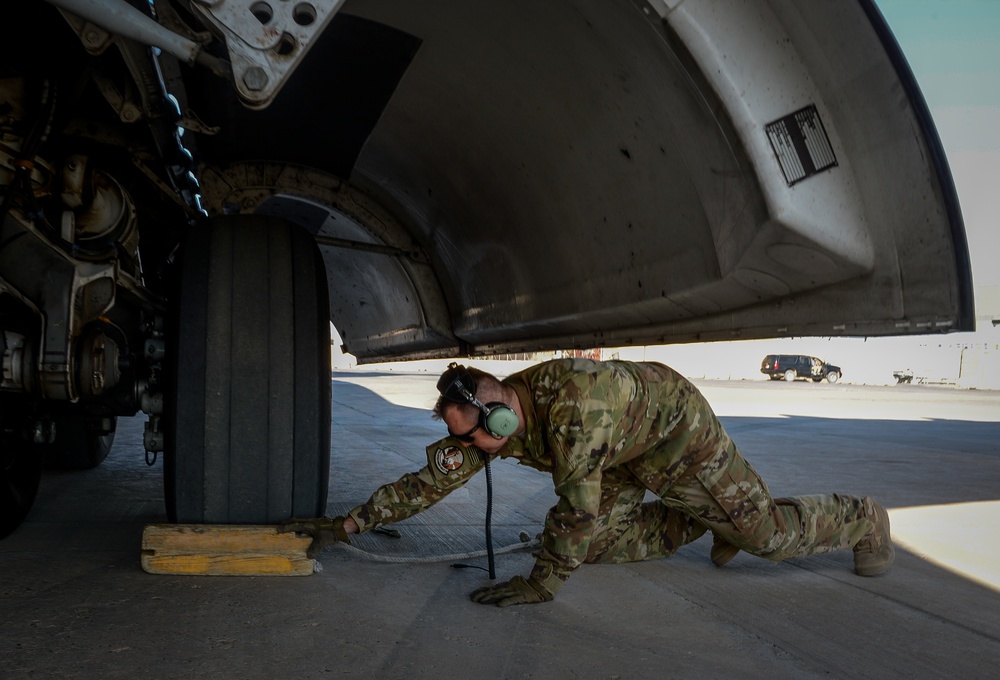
(75, 603)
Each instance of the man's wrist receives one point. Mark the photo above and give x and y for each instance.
(548, 578)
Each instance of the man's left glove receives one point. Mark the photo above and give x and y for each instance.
(518, 590)
(324, 531)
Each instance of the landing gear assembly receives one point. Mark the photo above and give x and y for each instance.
(232, 364)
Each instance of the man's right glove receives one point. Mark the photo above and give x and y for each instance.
(324, 531)
(518, 590)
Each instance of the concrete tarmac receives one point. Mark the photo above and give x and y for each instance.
(75, 603)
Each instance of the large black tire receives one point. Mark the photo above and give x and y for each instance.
(20, 475)
(247, 398)
(80, 443)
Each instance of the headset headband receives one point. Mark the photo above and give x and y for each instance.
(457, 385)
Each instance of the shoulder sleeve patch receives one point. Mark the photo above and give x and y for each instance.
(448, 458)
(451, 465)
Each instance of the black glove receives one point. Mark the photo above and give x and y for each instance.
(518, 590)
(324, 531)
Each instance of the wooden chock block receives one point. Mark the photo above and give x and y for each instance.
(224, 550)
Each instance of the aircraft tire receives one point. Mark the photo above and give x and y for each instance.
(20, 476)
(77, 447)
(247, 394)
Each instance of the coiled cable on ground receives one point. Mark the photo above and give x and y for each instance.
(398, 559)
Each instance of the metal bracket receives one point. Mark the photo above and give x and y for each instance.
(266, 39)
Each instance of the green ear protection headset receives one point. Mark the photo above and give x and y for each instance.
(456, 384)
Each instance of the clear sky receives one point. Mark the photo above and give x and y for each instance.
(953, 47)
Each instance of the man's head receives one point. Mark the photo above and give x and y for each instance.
(476, 407)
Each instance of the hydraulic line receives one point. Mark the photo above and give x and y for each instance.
(39, 133)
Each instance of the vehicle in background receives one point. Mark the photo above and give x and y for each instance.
(793, 366)
(904, 376)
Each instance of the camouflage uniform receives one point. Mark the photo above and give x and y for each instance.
(609, 431)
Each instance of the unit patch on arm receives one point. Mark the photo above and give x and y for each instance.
(451, 465)
(448, 458)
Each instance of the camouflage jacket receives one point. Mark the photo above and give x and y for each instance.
(583, 417)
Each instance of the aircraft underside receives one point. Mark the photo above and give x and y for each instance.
(192, 192)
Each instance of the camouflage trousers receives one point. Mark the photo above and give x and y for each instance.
(713, 488)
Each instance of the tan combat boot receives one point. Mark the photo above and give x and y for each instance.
(873, 554)
(722, 550)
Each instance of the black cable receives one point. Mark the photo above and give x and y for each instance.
(489, 516)
(489, 526)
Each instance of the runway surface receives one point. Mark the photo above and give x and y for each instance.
(74, 602)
